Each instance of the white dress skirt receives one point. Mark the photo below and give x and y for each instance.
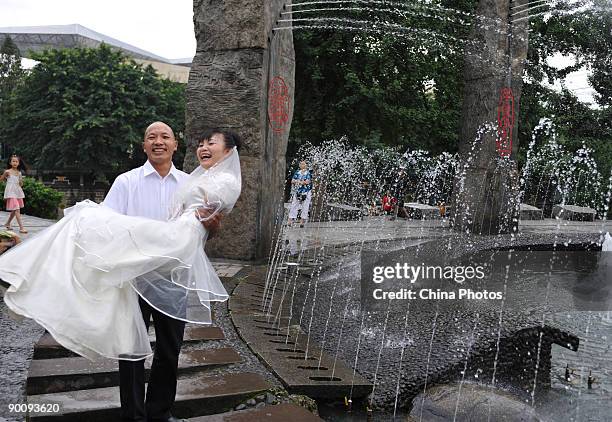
(80, 278)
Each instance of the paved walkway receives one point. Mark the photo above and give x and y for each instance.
(32, 224)
(374, 228)
(383, 228)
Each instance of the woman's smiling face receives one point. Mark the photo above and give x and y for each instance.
(211, 151)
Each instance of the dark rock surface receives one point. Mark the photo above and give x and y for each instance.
(470, 402)
(16, 349)
(432, 342)
(237, 57)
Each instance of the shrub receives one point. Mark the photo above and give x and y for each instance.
(40, 200)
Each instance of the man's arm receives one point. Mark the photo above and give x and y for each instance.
(117, 196)
(211, 224)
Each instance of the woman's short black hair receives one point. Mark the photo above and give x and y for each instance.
(232, 139)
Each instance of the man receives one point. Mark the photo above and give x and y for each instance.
(147, 192)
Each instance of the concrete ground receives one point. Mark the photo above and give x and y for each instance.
(369, 229)
(383, 228)
(32, 224)
(376, 228)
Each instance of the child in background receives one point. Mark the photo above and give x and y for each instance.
(302, 194)
(13, 193)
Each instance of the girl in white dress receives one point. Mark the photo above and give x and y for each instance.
(80, 278)
(13, 193)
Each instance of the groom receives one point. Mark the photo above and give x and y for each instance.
(147, 192)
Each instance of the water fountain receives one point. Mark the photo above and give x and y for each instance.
(375, 342)
(308, 304)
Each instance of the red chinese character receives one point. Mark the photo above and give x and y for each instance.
(505, 122)
(278, 104)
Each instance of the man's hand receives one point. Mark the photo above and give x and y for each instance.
(211, 224)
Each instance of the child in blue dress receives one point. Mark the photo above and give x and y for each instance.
(302, 194)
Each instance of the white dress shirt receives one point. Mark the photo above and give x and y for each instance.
(142, 192)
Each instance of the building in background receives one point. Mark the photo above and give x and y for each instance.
(76, 186)
(38, 38)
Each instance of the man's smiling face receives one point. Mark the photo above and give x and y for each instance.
(159, 143)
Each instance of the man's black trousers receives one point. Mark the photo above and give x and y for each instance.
(161, 388)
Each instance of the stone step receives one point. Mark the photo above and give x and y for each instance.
(77, 373)
(279, 413)
(196, 333)
(194, 397)
(48, 348)
(302, 367)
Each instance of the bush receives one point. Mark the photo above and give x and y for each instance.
(40, 200)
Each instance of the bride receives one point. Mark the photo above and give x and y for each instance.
(81, 278)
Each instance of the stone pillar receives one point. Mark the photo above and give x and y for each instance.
(239, 64)
(486, 192)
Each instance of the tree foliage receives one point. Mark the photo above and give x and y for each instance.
(11, 72)
(585, 34)
(385, 87)
(11, 75)
(395, 81)
(86, 110)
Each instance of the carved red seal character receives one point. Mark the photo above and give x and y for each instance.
(278, 104)
(505, 122)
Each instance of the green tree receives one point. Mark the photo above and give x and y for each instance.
(11, 72)
(86, 109)
(586, 35)
(11, 75)
(376, 91)
(403, 86)
(394, 81)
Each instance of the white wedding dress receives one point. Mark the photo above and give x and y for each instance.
(80, 278)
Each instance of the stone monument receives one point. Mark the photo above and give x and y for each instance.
(242, 78)
(486, 192)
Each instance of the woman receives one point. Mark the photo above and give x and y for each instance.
(78, 278)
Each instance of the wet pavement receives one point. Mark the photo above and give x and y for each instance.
(19, 337)
(372, 229)
(572, 399)
(32, 224)
(16, 348)
(382, 228)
